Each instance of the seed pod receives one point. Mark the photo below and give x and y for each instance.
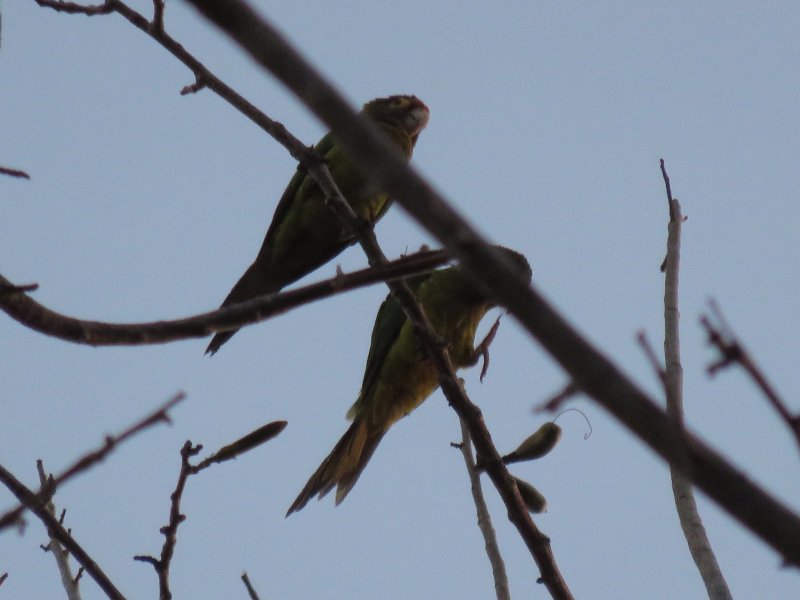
(248, 442)
(532, 497)
(536, 445)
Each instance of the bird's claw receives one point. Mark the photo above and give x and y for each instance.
(482, 349)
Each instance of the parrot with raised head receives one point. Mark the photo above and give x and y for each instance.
(399, 375)
(304, 233)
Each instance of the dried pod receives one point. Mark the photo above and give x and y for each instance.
(536, 445)
(248, 442)
(532, 497)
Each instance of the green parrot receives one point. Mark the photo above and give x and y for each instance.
(305, 233)
(399, 376)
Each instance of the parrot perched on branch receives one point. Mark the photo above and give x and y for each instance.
(305, 233)
(399, 375)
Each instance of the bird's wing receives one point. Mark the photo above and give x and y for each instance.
(323, 147)
(387, 327)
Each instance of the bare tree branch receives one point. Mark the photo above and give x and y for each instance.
(732, 351)
(251, 591)
(30, 313)
(204, 78)
(34, 502)
(160, 415)
(484, 518)
(595, 374)
(170, 530)
(68, 580)
(76, 8)
(685, 504)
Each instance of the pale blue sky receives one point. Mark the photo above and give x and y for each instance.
(547, 123)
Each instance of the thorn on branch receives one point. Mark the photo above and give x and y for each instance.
(18, 289)
(555, 402)
(148, 559)
(652, 357)
(199, 84)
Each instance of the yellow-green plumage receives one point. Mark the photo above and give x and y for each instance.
(399, 376)
(305, 233)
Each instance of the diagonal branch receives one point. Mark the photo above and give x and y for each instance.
(733, 351)
(68, 580)
(772, 521)
(160, 415)
(34, 502)
(30, 313)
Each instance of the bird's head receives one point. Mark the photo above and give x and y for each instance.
(408, 113)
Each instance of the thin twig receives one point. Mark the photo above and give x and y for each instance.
(733, 351)
(14, 173)
(68, 580)
(170, 530)
(204, 78)
(682, 490)
(76, 8)
(33, 315)
(160, 415)
(652, 357)
(250, 589)
(484, 518)
(34, 502)
(768, 518)
(553, 403)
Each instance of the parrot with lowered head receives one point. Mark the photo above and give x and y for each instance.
(305, 233)
(399, 376)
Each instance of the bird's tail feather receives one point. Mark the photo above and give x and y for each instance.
(253, 283)
(343, 466)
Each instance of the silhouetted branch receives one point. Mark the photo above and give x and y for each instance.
(30, 313)
(251, 591)
(75, 8)
(160, 415)
(732, 351)
(170, 530)
(594, 373)
(35, 504)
